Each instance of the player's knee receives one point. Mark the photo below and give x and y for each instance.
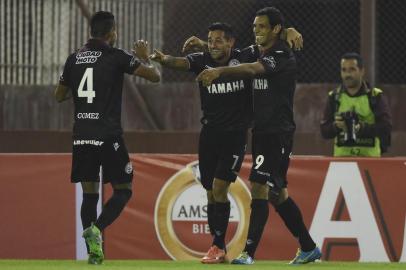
(90, 187)
(123, 195)
(220, 194)
(276, 196)
(259, 191)
(220, 190)
(210, 197)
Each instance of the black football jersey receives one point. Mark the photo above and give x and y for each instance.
(227, 103)
(95, 76)
(274, 90)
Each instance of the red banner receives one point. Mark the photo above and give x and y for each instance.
(354, 208)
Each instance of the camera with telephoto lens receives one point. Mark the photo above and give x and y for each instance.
(351, 120)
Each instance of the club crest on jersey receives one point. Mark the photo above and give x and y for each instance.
(233, 62)
(270, 60)
(223, 88)
(88, 57)
(116, 145)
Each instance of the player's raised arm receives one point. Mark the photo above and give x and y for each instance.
(178, 63)
(293, 37)
(145, 70)
(194, 44)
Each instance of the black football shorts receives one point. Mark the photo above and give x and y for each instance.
(270, 158)
(110, 154)
(221, 154)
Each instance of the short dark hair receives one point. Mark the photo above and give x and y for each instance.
(356, 56)
(225, 27)
(274, 15)
(101, 23)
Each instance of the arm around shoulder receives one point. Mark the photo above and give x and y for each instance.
(246, 70)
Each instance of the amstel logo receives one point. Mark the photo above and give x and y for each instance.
(181, 216)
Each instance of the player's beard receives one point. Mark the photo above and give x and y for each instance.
(260, 40)
(217, 54)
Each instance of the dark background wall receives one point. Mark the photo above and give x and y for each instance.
(31, 121)
(165, 117)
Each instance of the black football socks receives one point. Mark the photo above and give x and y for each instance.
(258, 219)
(211, 217)
(291, 215)
(88, 210)
(113, 208)
(222, 215)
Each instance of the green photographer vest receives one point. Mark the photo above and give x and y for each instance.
(364, 146)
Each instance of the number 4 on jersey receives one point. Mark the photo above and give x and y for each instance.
(88, 93)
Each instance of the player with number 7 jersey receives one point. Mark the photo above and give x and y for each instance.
(94, 76)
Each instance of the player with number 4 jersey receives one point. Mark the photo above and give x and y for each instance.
(94, 76)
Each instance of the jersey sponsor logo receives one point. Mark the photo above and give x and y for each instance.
(88, 57)
(181, 214)
(91, 142)
(234, 62)
(223, 88)
(260, 84)
(91, 116)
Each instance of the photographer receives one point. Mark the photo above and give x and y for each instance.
(356, 115)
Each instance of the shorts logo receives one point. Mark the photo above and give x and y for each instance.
(128, 168)
(181, 214)
(116, 146)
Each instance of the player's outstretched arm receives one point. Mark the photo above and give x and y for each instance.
(62, 93)
(146, 70)
(178, 63)
(247, 70)
(194, 44)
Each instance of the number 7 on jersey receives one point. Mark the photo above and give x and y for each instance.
(88, 93)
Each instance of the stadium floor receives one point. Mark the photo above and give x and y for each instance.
(186, 265)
